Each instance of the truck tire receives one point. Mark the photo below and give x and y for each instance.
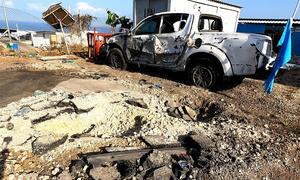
(204, 75)
(116, 59)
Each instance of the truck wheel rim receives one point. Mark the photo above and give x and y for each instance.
(116, 61)
(203, 77)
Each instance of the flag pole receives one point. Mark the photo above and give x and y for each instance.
(296, 9)
(285, 54)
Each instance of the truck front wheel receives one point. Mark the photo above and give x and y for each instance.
(204, 76)
(116, 59)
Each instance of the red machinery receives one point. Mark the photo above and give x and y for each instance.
(95, 43)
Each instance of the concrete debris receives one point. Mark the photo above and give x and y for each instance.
(56, 171)
(183, 112)
(209, 110)
(163, 173)
(53, 115)
(5, 118)
(144, 82)
(157, 141)
(23, 111)
(138, 103)
(85, 132)
(47, 143)
(203, 141)
(78, 170)
(38, 93)
(190, 112)
(65, 175)
(105, 173)
(205, 113)
(31, 176)
(170, 104)
(10, 126)
(157, 159)
(61, 107)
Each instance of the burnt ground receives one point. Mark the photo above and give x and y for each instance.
(17, 84)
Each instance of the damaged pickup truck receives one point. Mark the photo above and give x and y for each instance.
(191, 43)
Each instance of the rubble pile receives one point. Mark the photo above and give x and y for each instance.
(103, 115)
(39, 130)
(226, 152)
(49, 124)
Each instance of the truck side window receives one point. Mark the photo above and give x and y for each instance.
(210, 23)
(173, 23)
(150, 26)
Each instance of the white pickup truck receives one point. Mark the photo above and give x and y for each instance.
(194, 43)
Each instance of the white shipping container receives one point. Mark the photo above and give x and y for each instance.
(229, 13)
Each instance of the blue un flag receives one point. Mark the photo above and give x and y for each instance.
(284, 56)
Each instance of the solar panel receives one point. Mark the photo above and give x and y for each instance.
(57, 13)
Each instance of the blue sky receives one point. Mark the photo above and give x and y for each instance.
(251, 8)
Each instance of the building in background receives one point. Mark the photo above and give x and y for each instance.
(41, 39)
(273, 28)
(229, 13)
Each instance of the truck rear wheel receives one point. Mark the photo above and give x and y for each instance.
(116, 59)
(204, 76)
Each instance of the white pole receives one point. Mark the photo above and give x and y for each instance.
(5, 15)
(80, 27)
(296, 9)
(18, 32)
(62, 30)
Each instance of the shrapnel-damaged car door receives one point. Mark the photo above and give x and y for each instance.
(141, 43)
(171, 42)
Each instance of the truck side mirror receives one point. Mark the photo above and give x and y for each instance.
(198, 43)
